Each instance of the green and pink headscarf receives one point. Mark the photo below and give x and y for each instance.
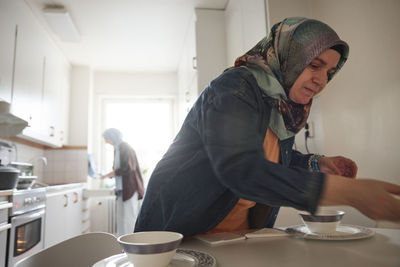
(281, 57)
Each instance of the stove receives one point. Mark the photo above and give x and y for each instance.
(26, 200)
(26, 236)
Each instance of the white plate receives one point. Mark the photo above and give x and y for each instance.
(343, 232)
(182, 258)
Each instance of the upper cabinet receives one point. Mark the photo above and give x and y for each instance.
(7, 33)
(245, 25)
(187, 72)
(55, 96)
(214, 39)
(203, 56)
(34, 75)
(28, 70)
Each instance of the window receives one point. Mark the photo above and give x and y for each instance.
(146, 124)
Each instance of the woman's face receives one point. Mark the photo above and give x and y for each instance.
(314, 77)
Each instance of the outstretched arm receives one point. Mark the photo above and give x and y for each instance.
(375, 199)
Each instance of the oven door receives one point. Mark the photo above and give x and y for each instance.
(26, 235)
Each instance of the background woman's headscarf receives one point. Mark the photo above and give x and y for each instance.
(115, 136)
(290, 47)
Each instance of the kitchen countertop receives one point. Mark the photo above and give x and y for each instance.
(62, 187)
(98, 192)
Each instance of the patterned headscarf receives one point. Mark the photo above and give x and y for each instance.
(284, 54)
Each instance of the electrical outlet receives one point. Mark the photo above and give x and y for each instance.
(310, 129)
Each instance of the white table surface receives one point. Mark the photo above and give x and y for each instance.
(381, 250)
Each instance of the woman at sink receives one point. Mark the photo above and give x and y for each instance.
(232, 166)
(128, 181)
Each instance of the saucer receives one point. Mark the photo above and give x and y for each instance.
(182, 258)
(343, 232)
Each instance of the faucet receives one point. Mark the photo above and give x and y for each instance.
(34, 159)
(44, 159)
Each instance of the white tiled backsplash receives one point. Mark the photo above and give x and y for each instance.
(65, 166)
(26, 154)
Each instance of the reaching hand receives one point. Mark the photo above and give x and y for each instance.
(338, 165)
(375, 199)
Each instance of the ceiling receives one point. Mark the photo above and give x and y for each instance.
(127, 35)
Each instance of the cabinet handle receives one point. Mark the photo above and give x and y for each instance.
(51, 131)
(66, 200)
(194, 63)
(6, 205)
(187, 96)
(76, 197)
(5, 227)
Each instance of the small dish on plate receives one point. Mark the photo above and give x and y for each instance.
(343, 232)
(322, 222)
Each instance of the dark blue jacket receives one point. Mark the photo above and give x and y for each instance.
(217, 158)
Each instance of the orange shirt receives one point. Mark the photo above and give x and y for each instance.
(237, 219)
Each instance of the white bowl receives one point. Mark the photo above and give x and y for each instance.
(322, 222)
(153, 248)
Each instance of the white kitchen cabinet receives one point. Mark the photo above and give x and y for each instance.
(203, 56)
(85, 215)
(101, 203)
(55, 96)
(39, 88)
(102, 214)
(29, 68)
(187, 72)
(5, 206)
(245, 26)
(63, 215)
(7, 33)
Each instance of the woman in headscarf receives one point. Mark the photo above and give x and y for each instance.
(232, 166)
(128, 181)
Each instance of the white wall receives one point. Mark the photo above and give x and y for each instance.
(81, 83)
(359, 107)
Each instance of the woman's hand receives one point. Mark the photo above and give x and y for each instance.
(108, 175)
(375, 199)
(338, 165)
